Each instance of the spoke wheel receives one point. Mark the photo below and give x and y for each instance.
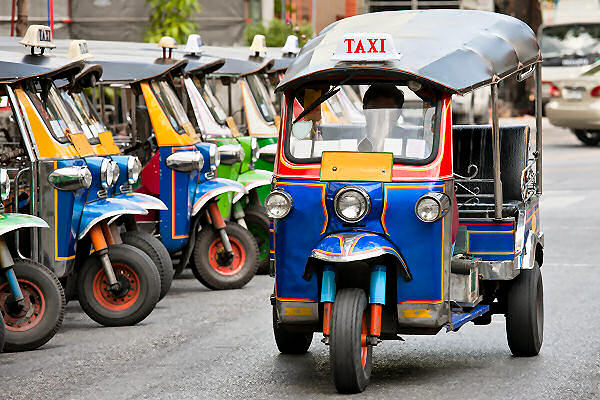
(350, 354)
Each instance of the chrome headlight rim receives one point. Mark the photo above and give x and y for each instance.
(185, 161)
(4, 185)
(254, 149)
(115, 172)
(106, 172)
(215, 157)
(442, 201)
(134, 169)
(362, 192)
(288, 199)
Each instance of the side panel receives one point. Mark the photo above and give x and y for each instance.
(489, 240)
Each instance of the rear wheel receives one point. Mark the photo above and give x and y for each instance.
(33, 323)
(525, 313)
(258, 225)
(290, 342)
(157, 252)
(350, 355)
(134, 301)
(210, 264)
(588, 137)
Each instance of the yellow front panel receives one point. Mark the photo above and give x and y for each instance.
(352, 166)
(107, 141)
(83, 147)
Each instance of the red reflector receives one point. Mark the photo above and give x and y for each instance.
(595, 92)
(554, 91)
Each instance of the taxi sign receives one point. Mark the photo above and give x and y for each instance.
(78, 50)
(38, 36)
(366, 47)
(194, 44)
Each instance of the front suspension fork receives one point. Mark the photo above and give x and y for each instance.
(102, 236)
(219, 224)
(6, 266)
(238, 214)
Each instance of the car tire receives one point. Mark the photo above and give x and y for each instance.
(588, 137)
(290, 342)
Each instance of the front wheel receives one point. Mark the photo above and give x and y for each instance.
(34, 322)
(525, 313)
(290, 342)
(139, 287)
(349, 353)
(588, 137)
(157, 252)
(214, 269)
(258, 225)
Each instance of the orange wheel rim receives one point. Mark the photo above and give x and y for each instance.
(126, 297)
(363, 340)
(32, 312)
(239, 257)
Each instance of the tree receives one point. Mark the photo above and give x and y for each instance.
(22, 20)
(277, 32)
(172, 18)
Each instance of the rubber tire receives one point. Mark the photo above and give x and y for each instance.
(525, 313)
(147, 273)
(348, 373)
(290, 342)
(2, 332)
(585, 139)
(157, 252)
(54, 297)
(256, 216)
(207, 275)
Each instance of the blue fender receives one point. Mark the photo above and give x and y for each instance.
(212, 188)
(102, 209)
(143, 200)
(252, 180)
(355, 246)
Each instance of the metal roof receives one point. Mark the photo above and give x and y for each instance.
(15, 66)
(458, 50)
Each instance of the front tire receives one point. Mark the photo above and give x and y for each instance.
(258, 224)
(140, 287)
(588, 137)
(38, 321)
(208, 266)
(525, 313)
(350, 355)
(290, 342)
(157, 252)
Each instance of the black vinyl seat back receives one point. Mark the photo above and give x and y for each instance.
(472, 145)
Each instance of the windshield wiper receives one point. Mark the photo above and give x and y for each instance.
(328, 94)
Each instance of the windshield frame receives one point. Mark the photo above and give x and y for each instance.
(435, 148)
(270, 119)
(83, 116)
(166, 108)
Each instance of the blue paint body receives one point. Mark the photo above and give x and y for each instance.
(377, 290)
(328, 285)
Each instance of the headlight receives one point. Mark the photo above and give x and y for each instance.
(254, 147)
(352, 203)
(4, 184)
(134, 169)
(185, 161)
(71, 178)
(215, 157)
(231, 153)
(109, 173)
(278, 204)
(432, 206)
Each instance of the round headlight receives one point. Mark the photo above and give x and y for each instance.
(278, 204)
(352, 203)
(115, 172)
(106, 173)
(4, 184)
(432, 206)
(134, 169)
(254, 147)
(215, 157)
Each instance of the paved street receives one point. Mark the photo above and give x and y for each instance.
(203, 344)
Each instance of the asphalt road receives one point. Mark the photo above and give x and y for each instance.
(213, 345)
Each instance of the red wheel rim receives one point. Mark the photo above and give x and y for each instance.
(32, 311)
(363, 340)
(123, 300)
(239, 257)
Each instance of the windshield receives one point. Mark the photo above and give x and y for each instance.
(86, 116)
(211, 101)
(261, 97)
(573, 44)
(408, 129)
(55, 113)
(171, 105)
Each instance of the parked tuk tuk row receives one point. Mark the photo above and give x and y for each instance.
(125, 170)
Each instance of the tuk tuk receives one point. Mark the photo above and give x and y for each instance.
(32, 300)
(62, 182)
(407, 224)
(147, 109)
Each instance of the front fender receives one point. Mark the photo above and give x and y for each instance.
(13, 221)
(144, 200)
(212, 188)
(356, 246)
(102, 209)
(253, 179)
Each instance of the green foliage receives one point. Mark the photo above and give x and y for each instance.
(277, 32)
(171, 18)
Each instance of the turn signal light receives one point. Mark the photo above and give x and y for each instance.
(595, 92)
(554, 91)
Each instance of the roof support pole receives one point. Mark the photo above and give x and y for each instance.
(538, 127)
(496, 154)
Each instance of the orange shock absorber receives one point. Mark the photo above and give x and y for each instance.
(327, 307)
(106, 231)
(215, 215)
(99, 242)
(98, 239)
(376, 300)
(375, 326)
